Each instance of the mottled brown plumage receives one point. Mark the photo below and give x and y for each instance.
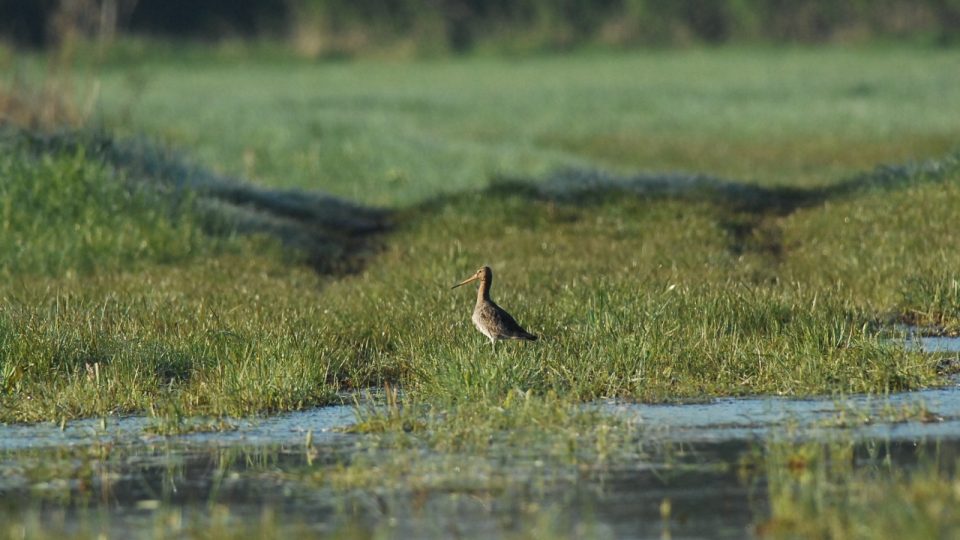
(488, 317)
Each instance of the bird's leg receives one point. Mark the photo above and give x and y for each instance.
(494, 343)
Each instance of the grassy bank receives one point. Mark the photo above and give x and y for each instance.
(636, 296)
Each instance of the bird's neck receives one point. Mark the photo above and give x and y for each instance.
(483, 293)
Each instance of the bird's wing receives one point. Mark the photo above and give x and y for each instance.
(505, 323)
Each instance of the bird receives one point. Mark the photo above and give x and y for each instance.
(489, 318)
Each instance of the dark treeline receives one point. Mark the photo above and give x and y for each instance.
(350, 26)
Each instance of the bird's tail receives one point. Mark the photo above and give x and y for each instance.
(528, 336)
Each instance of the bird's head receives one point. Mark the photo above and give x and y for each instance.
(484, 274)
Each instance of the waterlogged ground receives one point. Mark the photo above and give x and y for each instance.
(133, 430)
(691, 470)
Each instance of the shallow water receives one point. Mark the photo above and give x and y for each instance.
(934, 344)
(929, 413)
(924, 414)
(112, 476)
(278, 429)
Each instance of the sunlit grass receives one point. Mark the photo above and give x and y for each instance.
(634, 297)
(225, 336)
(122, 298)
(891, 252)
(66, 213)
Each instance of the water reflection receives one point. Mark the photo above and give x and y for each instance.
(712, 488)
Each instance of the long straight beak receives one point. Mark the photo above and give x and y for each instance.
(464, 282)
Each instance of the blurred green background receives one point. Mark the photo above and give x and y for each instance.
(348, 27)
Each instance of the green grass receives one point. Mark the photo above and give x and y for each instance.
(890, 251)
(65, 214)
(781, 280)
(226, 336)
(635, 297)
(398, 133)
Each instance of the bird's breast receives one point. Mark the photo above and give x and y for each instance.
(481, 322)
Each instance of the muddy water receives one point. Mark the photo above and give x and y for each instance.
(112, 476)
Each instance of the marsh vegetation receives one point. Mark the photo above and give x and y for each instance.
(234, 239)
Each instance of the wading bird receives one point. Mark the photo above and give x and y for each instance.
(489, 318)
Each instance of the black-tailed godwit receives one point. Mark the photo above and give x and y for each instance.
(489, 318)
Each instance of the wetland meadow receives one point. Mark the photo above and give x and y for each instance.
(226, 306)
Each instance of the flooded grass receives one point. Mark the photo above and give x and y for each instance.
(637, 471)
(842, 490)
